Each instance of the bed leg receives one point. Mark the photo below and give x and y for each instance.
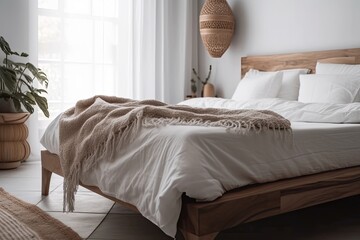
(45, 181)
(191, 236)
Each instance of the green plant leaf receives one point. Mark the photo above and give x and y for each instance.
(38, 74)
(208, 76)
(32, 69)
(42, 103)
(5, 94)
(25, 101)
(14, 64)
(8, 77)
(17, 79)
(27, 106)
(5, 47)
(28, 78)
(30, 98)
(38, 90)
(29, 86)
(17, 104)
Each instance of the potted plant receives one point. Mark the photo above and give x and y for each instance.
(207, 89)
(17, 84)
(18, 97)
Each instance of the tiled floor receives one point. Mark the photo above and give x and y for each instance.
(98, 218)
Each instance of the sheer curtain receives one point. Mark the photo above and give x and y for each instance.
(164, 43)
(130, 48)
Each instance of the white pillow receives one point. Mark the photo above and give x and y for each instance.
(329, 88)
(290, 82)
(255, 86)
(332, 68)
(50, 139)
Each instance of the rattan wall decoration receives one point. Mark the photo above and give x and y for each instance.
(217, 25)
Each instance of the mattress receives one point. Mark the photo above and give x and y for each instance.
(162, 163)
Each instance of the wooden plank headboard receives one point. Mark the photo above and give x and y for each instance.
(299, 60)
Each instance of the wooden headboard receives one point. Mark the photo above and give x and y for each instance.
(299, 60)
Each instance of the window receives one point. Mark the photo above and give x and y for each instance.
(84, 47)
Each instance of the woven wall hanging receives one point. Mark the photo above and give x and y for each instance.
(217, 25)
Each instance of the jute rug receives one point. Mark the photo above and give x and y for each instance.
(20, 220)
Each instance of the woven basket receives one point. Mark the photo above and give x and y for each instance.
(217, 26)
(13, 145)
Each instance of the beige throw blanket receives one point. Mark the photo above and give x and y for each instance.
(90, 130)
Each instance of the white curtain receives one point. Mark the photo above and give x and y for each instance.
(33, 122)
(138, 49)
(163, 37)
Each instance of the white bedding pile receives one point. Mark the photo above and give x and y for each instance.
(292, 110)
(163, 163)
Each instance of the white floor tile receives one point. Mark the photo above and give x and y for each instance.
(26, 169)
(86, 202)
(30, 197)
(26, 184)
(83, 223)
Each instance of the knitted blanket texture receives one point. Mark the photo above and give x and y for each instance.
(90, 131)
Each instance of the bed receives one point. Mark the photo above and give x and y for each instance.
(204, 220)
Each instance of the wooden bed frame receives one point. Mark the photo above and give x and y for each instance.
(203, 221)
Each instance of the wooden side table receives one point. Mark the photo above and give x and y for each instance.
(13, 145)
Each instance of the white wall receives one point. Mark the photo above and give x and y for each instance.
(14, 27)
(282, 26)
(262, 27)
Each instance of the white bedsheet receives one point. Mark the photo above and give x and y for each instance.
(162, 163)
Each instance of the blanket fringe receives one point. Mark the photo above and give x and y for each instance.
(105, 150)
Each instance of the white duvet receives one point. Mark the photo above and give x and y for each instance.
(293, 110)
(163, 163)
